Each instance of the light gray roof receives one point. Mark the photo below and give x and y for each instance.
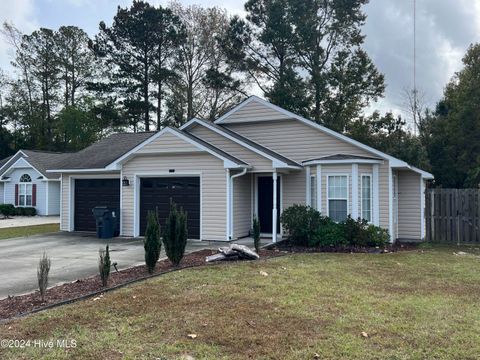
(104, 151)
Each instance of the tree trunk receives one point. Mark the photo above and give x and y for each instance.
(145, 94)
(189, 100)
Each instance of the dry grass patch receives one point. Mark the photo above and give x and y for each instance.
(411, 304)
(22, 231)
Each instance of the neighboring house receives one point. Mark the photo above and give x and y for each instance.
(24, 181)
(257, 159)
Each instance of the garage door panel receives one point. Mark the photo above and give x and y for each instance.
(90, 193)
(156, 194)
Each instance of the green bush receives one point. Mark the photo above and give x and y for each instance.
(256, 233)
(307, 227)
(27, 211)
(7, 210)
(175, 234)
(302, 223)
(104, 265)
(152, 244)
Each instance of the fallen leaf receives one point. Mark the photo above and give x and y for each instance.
(263, 273)
(364, 334)
(316, 356)
(134, 296)
(97, 298)
(192, 336)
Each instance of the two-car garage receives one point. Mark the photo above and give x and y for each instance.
(155, 195)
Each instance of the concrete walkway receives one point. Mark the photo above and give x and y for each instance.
(28, 221)
(73, 255)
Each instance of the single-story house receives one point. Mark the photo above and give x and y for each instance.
(25, 182)
(256, 160)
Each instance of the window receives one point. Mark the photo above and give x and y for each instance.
(366, 194)
(313, 192)
(25, 191)
(338, 197)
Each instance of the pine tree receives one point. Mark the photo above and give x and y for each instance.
(175, 234)
(152, 242)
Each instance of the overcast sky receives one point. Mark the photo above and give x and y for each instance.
(445, 29)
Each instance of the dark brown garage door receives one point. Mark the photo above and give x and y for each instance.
(90, 193)
(155, 193)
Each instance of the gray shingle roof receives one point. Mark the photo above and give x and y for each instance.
(344, 157)
(251, 143)
(40, 160)
(211, 147)
(103, 152)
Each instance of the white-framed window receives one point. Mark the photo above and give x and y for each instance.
(366, 197)
(337, 194)
(25, 191)
(313, 192)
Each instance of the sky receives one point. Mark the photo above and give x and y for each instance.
(445, 29)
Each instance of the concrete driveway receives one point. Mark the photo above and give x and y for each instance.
(73, 256)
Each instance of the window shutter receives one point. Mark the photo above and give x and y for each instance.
(34, 195)
(16, 194)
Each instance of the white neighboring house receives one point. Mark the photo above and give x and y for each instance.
(24, 181)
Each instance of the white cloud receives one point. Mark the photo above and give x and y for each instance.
(21, 14)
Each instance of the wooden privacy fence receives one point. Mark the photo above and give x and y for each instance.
(452, 215)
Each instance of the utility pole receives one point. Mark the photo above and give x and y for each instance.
(414, 67)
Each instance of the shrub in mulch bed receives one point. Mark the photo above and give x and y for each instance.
(23, 304)
(290, 247)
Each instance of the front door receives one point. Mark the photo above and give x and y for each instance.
(265, 203)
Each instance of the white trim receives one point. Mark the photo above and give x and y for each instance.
(275, 161)
(375, 195)
(390, 204)
(61, 202)
(329, 175)
(422, 208)
(319, 187)
(121, 201)
(275, 207)
(266, 174)
(395, 161)
(308, 185)
(23, 167)
(156, 174)
(370, 177)
(354, 185)
(228, 207)
(84, 171)
(71, 192)
(227, 163)
(344, 161)
(13, 157)
(46, 199)
(232, 177)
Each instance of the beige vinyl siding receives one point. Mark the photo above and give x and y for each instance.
(254, 111)
(295, 139)
(242, 206)
(168, 143)
(294, 188)
(259, 162)
(301, 142)
(213, 187)
(409, 203)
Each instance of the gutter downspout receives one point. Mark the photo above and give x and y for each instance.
(230, 212)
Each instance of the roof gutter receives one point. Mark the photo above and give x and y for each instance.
(81, 170)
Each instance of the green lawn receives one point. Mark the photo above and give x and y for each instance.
(412, 305)
(8, 233)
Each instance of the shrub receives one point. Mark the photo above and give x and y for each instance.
(175, 234)
(302, 224)
(104, 265)
(256, 233)
(42, 274)
(28, 211)
(331, 234)
(377, 236)
(7, 210)
(360, 233)
(152, 244)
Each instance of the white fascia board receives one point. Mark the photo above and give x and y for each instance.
(346, 161)
(13, 157)
(275, 162)
(82, 170)
(394, 161)
(22, 167)
(425, 175)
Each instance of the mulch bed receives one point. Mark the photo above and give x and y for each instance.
(287, 246)
(23, 304)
